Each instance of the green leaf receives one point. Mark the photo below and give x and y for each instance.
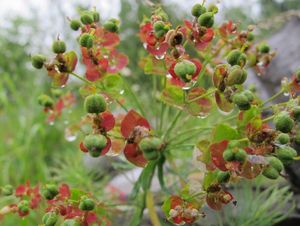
(160, 174)
(166, 206)
(209, 179)
(148, 174)
(153, 66)
(138, 213)
(112, 84)
(173, 95)
(76, 194)
(71, 60)
(247, 116)
(224, 132)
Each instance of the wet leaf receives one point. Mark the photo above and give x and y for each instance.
(223, 103)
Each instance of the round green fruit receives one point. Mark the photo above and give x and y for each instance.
(59, 47)
(223, 177)
(150, 144)
(264, 48)
(283, 122)
(86, 40)
(75, 25)
(96, 16)
(87, 18)
(283, 138)
(233, 57)
(50, 191)
(250, 37)
(297, 137)
(185, 70)
(50, 219)
(198, 10)
(240, 155)
(23, 206)
(286, 154)
(111, 26)
(95, 144)
(213, 8)
(236, 76)
(270, 173)
(70, 222)
(45, 101)
(296, 113)
(87, 204)
(95, 103)
(38, 61)
(206, 19)
(249, 95)
(228, 155)
(276, 164)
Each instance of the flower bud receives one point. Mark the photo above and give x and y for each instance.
(185, 70)
(95, 144)
(276, 164)
(45, 101)
(236, 76)
(50, 219)
(50, 191)
(111, 26)
(94, 103)
(38, 61)
(198, 10)
(59, 47)
(270, 173)
(23, 206)
(283, 138)
(150, 147)
(87, 18)
(75, 25)
(70, 222)
(286, 154)
(206, 20)
(283, 122)
(7, 190)
(264, 48)
(223, 177)
(86, 204)
(86, 40)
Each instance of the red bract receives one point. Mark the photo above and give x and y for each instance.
(227, 28)
(216, 200)
(216, 151)
(133, 128)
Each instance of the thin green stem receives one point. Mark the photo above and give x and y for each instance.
(197, 129)
(81, 78)
(273, 97)
(134, 98)
(173, 124)
(268, 119)
(202, 96)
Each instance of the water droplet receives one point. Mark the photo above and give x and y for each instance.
(66, 122)
(70, 135)
(122, 91)
(160, 57)
(51, 123)
(224, 112)
(202, 115)
(145, 45)
(286, 94)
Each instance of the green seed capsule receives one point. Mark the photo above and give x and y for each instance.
(23, 206)
(283, 122)
(95, 103)
(228, 155)
(38, 61)
(50, 219)
(75, 25)
(286, 155)
(233, 58)
(96, 16)
(160, 29)
(213, 8)
(270, 173)
(87, 204)
(95, 144)
(276, 164)
(236, 76)
(249, 95)
(111, 26)
(198, 10)
(296, 113)
(241, 101)
(223, 177)
(87, 18)
(297, 137)
(240, 155)
(7, 190)
(86, 40)
(150, 147)
(206, 20)
(50, 191)
(45, 101)
(250, 37)
(264, 48)
(283, 138)
(185, 70)
(59, 47)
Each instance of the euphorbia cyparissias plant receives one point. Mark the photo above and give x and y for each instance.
(191, 84)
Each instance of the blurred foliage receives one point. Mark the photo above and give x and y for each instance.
(272, 7)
